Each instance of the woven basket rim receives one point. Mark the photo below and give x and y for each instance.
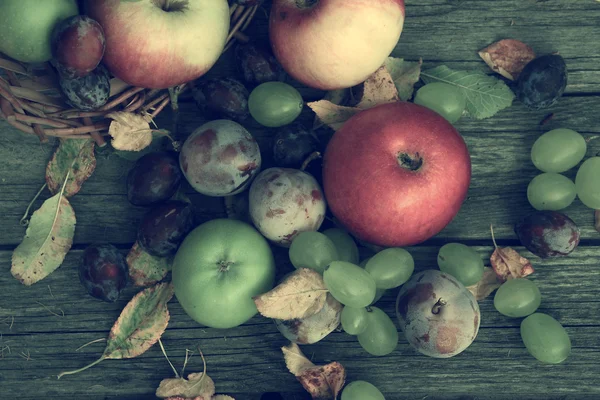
(30, 100)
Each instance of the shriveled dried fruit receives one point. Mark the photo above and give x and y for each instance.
(257, 63)
(103, 272)
(223, 98)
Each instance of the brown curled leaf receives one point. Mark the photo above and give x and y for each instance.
(322, 382)
(195, 387)
(486, 286)
(507, 57)
(146, 269)
(300, 295)
(508, 263)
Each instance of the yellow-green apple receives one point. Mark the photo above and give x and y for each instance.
(334, 44)
(26, 27)
(161, 43)
(396, 174)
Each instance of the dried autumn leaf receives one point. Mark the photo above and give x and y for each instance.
(331, 114)
(322, 382)
(405, 75)
(129, 131)
(507, 57)
(194, 387)
(379, 88)
(140, 325)
(146, 269)
(73, 156)
(301, 295)
(508, 263)
(337, 97)
(486, 286)
(47, 241)
(597, 220)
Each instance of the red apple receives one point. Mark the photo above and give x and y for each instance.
(396, 174)
(161, 43)
(334, 44)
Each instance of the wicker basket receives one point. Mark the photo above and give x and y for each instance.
(31, 102)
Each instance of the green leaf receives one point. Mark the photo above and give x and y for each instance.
(141, 323)
(146, 269)
(47, 240)
(331, 114)
(73, 156)
(405, 75)
(486, 95)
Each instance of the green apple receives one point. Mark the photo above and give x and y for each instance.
(217, 270)
(26, 27)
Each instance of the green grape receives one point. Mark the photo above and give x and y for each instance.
(381, 336)
(391, 267)
(275, 104)
(517, 297)
(361, 390)
(345, 245)
(354, 320)
(312, 250)
(545, 338)
(462, 262)
(445, 99)
(551, 191)
(587, 183)
(558, 150)
(349, 284)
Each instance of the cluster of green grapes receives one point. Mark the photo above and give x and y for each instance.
(356, 285)
(543, 336)
(553, 153)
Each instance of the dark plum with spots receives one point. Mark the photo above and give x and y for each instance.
(548, 234)
(257, 63)
(223, 98)
(542, 82)
(284, 202)
(293, 144)
(89, 92)
(153, 179)
(103, 272)
(164, 227)
(220, 158)
(438, 315)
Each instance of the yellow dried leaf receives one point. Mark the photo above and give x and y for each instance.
(129, 131)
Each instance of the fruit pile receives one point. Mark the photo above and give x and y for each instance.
(394, 173)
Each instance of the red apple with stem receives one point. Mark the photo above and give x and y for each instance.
(161, 43)
(334, 44)
(396, 174)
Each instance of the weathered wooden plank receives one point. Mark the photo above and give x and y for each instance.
(499, 148)
(568, 286)
(246, 361)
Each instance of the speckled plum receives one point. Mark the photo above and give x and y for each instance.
(548, 234)
(88, 92)
(284, 202)
(439, 316)
(220, 158)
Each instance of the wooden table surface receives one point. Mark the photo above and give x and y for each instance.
(38, 341)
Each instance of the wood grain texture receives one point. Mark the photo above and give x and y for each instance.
(42, 326)
(246, 361)
(499, 148)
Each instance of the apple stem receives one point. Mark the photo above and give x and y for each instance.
(412, 163)
(312, 157)
(437, 307)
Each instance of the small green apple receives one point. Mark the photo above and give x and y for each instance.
(26, 27)
(217, 270)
